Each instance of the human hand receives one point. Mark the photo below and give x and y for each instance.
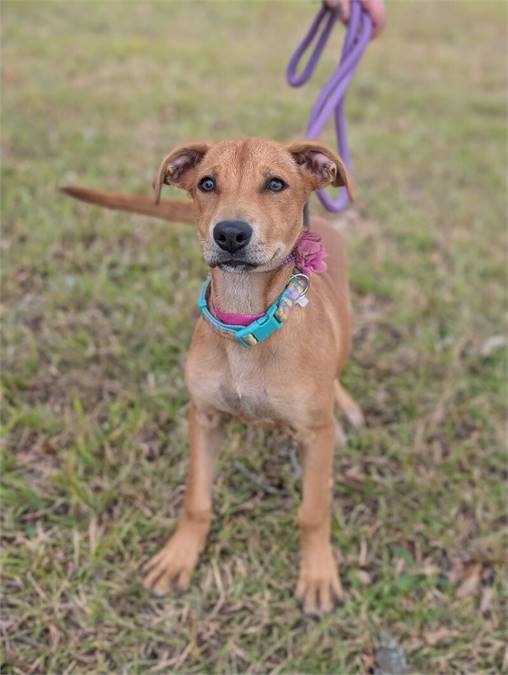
(374, 8)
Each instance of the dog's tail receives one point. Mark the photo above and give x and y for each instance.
(167, 209)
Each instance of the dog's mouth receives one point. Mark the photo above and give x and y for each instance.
(239, 264)
(234, 265)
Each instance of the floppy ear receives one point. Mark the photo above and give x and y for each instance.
(177, 167)
(322, 166)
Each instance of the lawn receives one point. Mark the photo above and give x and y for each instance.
(98, 309)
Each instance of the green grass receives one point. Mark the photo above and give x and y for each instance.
(98, 312)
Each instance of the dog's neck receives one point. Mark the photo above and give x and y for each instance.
(250, 292)
(247, 292)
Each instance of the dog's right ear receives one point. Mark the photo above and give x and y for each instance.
(177, 167)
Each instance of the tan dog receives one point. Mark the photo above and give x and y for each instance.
(248, 198)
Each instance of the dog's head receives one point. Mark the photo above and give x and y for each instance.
(249, 195)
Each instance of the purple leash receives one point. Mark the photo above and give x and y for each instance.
(331, 99)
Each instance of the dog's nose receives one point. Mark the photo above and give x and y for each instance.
(232, 235)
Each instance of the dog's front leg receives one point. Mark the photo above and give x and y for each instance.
(176, 561)
(319, 581)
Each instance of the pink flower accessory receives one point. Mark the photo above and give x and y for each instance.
(310, 254)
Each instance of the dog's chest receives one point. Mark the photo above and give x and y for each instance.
(246, 402)
(241, 386)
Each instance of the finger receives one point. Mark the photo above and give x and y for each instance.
(183, 580)
(336, 587)
(156, 579)
(376, 11)
(344, 10)
(325, 598)
(340, 7)
(152, 562)
(162, 586)
(300, 589)
(310, 604)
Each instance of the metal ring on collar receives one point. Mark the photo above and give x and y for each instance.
(307, 283)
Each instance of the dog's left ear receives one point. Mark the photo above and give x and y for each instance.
(322, 166)
(176, 168)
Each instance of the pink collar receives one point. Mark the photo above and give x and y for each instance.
(308, 256)
(233, 319)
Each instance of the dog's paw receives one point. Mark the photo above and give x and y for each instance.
(172, 567)
(319, 586)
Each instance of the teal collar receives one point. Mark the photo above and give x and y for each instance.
(271, 321)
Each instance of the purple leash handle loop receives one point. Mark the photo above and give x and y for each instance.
(331, 99)
(292, 77)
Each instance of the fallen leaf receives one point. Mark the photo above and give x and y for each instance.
(55, 635)
(92, 534)
(430, 570)
(368, 662)
(432, 637)
(362, 558)
(492, 344)
(486, 600)
(354, 475)
(43, 447)
(400, 563)
(471, 581)
(456, 571)
(363, 577)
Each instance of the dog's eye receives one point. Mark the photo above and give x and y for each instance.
(207, 184)
(275, 185)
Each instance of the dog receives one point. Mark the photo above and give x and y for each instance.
(248, 200)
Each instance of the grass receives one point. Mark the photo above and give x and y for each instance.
(97, 316)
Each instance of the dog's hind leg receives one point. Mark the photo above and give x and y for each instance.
(176, 562)
(345, 404)
(340, 436)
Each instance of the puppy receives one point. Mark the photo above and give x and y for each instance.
(274, 335)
